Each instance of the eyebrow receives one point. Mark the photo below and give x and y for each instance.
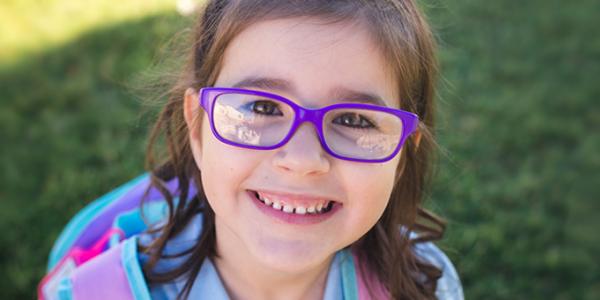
(282, 85)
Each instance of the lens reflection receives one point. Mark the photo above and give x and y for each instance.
(252, 120)
(369, 134)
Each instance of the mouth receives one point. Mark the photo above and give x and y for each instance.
(295, 210)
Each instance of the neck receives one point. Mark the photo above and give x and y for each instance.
(245, 278)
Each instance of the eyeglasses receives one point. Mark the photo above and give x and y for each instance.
(265, 121)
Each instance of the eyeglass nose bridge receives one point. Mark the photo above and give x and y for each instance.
(314, 116)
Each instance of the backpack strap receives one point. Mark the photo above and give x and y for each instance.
(114, 274)
(368, 280)
(448, 286)
(349, 280)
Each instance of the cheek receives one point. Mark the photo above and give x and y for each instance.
(369, 189)
(224, 168)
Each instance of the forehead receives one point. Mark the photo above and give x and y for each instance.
(316, 59)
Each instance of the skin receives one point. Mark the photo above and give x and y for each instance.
(262, 257)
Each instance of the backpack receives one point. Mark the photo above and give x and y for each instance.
(102, 225)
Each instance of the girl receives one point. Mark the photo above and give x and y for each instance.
(299, 139)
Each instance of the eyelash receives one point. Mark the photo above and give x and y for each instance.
(252, 107)
(364, 123)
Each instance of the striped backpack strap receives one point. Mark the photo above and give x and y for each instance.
(354, 284)
(449, 286)
(367, 280)
(114, 274)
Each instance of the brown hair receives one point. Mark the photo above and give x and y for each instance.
(406, 41)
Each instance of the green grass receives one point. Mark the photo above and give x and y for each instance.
(518, 117)
(518, 112)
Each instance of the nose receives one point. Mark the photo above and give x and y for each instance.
(303, 153)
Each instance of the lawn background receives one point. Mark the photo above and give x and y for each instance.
(518, 128)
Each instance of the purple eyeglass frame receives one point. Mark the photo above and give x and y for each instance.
(207, 95)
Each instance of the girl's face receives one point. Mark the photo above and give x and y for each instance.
(313, 64)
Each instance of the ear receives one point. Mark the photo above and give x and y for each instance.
(417, 138)
(191, 111)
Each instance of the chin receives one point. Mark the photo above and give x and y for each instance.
(291, 256)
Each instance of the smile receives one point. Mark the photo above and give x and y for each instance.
(294, 209)
(319, 207)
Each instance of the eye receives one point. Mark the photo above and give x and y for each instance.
(353, 120)
(265, 107)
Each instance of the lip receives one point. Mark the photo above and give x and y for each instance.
(291, 218)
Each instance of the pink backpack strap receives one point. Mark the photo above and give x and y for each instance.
(448, 286)
(102, 278)
(114, 274)
(368, 280)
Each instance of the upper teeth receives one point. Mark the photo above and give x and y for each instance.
(289, 208)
